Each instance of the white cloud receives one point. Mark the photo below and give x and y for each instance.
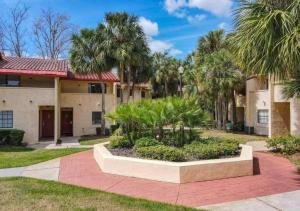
(163, 46)
(174, 5)
(175, 52)
(196, 19)
(150, 28)
(222, 25)
(216, 7)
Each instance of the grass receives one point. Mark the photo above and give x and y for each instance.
(295, 159)
(242, 138)
(22, 156)
(92, 140)
(19, 193)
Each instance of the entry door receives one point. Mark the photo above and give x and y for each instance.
(67, 123)
(47, 123)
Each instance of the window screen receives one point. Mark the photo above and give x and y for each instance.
(6, 119)
(96, 117)
(263, 116)
(96, 88)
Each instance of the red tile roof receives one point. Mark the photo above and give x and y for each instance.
(47, 67)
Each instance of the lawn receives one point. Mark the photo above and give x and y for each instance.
(92, 140)
(22, 156)
(242, 138)
(32, 194)
(295, 159)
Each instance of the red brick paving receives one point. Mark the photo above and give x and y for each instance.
(276, 175)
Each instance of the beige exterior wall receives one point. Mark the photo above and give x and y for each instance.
(284, 114)
(256, 99)
(27, 101)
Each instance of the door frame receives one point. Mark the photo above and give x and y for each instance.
(61, 123)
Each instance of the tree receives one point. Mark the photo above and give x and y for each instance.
(13, 29)
(266, 39)
(166, 73)
(52, 33)
(126, 42)
(88, 56)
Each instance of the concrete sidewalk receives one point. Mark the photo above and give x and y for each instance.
(48, 170)
(289, 201)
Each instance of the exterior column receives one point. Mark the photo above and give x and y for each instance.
(295, 116)
(56, 109)
(271, 94)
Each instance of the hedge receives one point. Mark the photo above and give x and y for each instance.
(285, 144)
(13, 137)
(161, 153)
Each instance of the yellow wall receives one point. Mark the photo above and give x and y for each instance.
(26, 103)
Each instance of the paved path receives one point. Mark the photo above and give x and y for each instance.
(258, 146)
(48, 170)
(289, 201)
(272, 175)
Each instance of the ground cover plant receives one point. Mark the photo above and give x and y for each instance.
(164, 130)
(287, 146)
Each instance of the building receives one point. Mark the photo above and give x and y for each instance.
(267, 111)
(46, 100)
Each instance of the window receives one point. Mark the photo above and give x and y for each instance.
(96, 88)
(143, 94)
(118, 92)
(6, 119)
(9, 80)
(263, 116)
(96, 117)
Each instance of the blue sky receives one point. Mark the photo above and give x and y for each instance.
(171, 25)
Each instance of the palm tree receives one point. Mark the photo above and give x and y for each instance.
(126, 42)
(266, 40)
(87, 56)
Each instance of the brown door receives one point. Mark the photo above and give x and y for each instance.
(67, 123)
(47, 123)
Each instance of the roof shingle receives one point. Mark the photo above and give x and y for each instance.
(47, 67)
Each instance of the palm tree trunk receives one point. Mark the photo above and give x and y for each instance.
(121, 82)
(225, 112)
(233, 104)
(133, 85)
(166, 88)
(128, 82)
(219, 112)
(103, 109)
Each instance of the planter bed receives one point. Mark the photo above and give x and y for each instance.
(175, 172)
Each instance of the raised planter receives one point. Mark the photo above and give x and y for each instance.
(175, 172)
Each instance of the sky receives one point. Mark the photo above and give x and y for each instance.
(170, 25)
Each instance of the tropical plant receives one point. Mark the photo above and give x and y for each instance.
(88, 56)
(266, 39)
(153, 118)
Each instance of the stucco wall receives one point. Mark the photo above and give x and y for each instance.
(83, 105)
(295, 116)
(25, 103)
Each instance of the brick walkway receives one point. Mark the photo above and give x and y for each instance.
(273, 175)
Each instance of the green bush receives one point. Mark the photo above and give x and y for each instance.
(161, 153)
(212, 149)
(119, 142)
(146, 142)
(12, 137)
(285, 144)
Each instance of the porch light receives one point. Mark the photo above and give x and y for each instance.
(3, 101)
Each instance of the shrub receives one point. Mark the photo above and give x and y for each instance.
(119, 142)
(146, 142)
(161, 153)
(212, 149)
(285, 144)
(12, 137)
